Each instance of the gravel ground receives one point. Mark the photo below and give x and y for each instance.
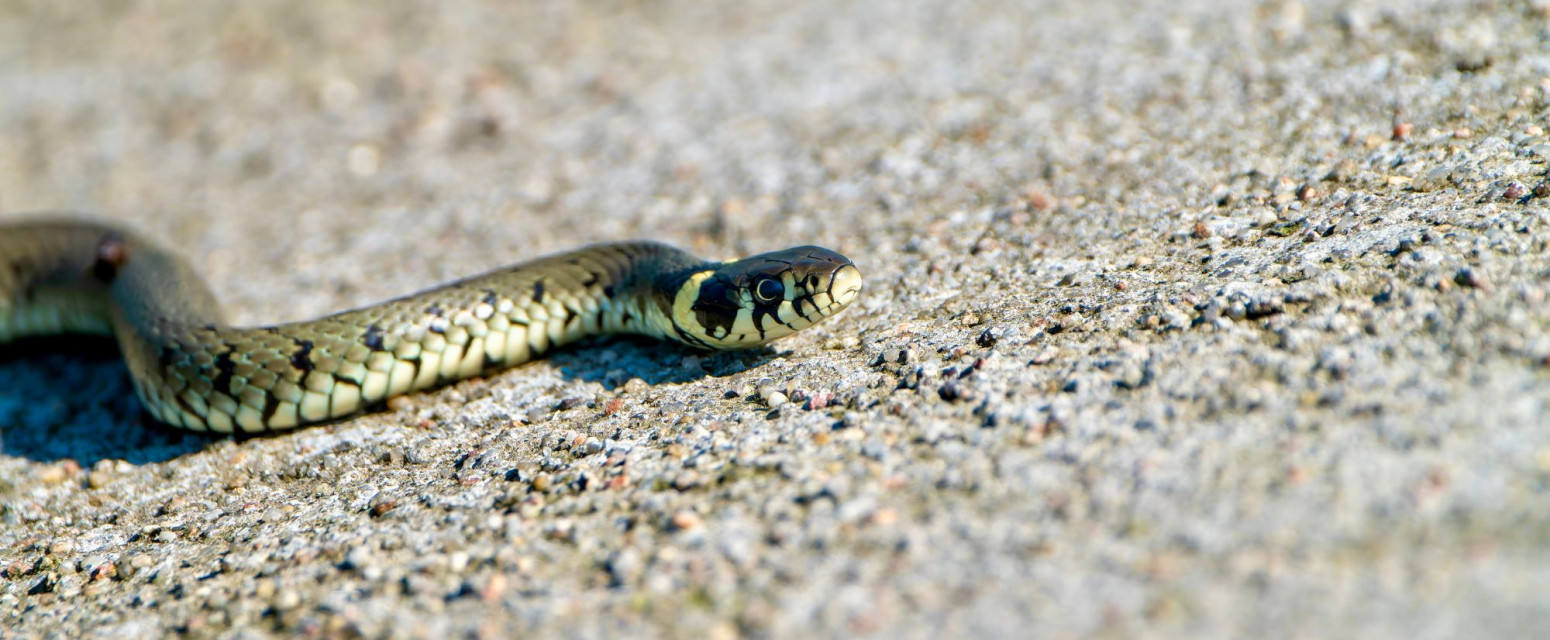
(1187, 319)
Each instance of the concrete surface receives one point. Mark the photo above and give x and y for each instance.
(1184, 319)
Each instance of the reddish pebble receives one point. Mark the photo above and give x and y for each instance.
(103, 571)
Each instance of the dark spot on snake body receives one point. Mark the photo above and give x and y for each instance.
(271, 404)
(491, 297)
(608, 291)
(112, 253)
(302, 359)
(435, 310)
(592, 278)
(373, 338)
(225, 367)
(538, 291)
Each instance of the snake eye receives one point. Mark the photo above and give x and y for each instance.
(768, 290)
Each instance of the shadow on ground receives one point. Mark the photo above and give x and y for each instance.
(613, 362)
(71, 398)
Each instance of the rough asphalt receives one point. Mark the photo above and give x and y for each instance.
(1187, 319)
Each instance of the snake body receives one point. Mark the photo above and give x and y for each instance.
(191, 370)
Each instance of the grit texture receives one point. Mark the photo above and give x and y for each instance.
(1189, 319)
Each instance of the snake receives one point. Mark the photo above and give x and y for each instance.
(69, 275)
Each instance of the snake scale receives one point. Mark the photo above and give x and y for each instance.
(63, 275)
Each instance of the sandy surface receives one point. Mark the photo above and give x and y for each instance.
(1198, 319)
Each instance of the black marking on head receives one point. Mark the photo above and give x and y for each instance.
(302, 359)
(224, 368)
(717, 305)
(798, 304)
(690, 339)
(758, 320)
(627, 316)
(165, 356)
(608, 291)
(491, 297)
(373, 338)
(435, 310)
(538, 291)
(592, 278)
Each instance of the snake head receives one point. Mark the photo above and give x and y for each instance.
(749, 302)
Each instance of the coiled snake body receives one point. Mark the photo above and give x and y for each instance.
(192, 371)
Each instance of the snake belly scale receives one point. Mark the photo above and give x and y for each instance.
(191, 370)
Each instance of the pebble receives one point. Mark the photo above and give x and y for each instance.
(381, 504)
(98, 479)
(542, 482)
(562, 530)
(357, 559)
(287, 600)
(624, 567)
(1472, 278)
(819, 399)
(685, 521)
(776, 400)
(687, 479)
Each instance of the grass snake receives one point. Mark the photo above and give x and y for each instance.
(191, 370)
